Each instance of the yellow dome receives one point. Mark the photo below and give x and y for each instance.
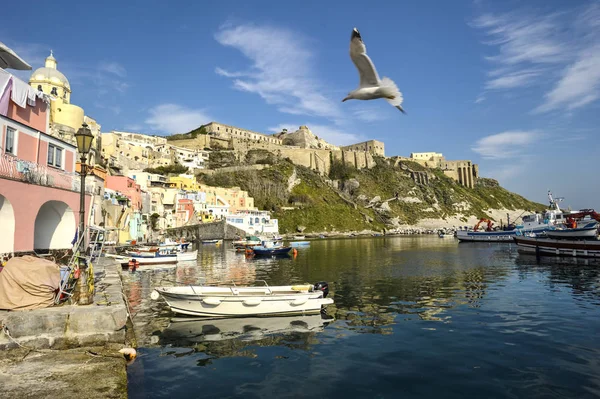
(49, 74)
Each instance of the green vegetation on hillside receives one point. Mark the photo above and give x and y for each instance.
(189, 135)
(168, 169)
(347, 200)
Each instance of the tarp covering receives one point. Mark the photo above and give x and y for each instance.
(27, 282)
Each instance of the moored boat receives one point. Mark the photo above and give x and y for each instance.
(237, 301)
(589, 231)
(268, 251)
(300, 243)
(564, 247)
(191, 255)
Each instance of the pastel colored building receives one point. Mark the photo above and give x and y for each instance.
(128, 187)
(39, 189)
(254, 222)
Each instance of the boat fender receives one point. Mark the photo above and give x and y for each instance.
(299, 301)
(252, 302)
(154, 295)
(211, 301)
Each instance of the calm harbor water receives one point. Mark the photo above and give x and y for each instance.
(413, 317)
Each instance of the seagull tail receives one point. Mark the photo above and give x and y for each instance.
(391, 93)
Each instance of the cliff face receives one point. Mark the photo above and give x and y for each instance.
(385, 196)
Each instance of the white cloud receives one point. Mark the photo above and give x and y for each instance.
(558, 50)
(114, 68)
(505, 145)
(173, 118)
(512, 79)
(369, 114)
(579, 84)
(281, 69)
(480, 98)
(332, 135)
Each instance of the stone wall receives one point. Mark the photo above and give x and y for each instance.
(372, 146)
(220, 230)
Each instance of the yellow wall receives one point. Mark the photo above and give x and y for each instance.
(186, 183)
(66, 114)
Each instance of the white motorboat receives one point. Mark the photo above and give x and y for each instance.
(192, 255)
(237, 301)
(588, 231)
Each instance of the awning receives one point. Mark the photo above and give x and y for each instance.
(9, 59)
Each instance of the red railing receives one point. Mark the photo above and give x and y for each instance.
(31, 172)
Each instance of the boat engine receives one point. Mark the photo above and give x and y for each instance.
(322, 286)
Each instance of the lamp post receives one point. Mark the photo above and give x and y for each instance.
(84, 139)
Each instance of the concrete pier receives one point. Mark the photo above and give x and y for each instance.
(72, 326)
(68, 350)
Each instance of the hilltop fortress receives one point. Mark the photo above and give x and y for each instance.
(304, 148)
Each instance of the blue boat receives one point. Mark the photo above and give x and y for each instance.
(263, 251)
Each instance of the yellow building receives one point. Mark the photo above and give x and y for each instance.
(184, 182)
(65, 118)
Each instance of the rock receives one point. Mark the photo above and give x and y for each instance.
(375, 200)
(368, 219)
(300, 229)
(351, 185)
(385, 207)
(362, 197)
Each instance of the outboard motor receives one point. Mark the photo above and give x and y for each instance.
(322, 286)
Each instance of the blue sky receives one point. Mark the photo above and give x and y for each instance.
(514, 87)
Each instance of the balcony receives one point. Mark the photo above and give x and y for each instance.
(30, 172)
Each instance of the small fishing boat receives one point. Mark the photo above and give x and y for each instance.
(269, 251)
(300, 243)
(588, 231)
(144, 261)
(238, 301)
(182, 256)
(211, 241)
(446, 235)
(299, 237)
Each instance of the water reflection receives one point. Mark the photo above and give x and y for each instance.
(479, 317)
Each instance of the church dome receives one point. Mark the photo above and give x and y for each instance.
(49, 74)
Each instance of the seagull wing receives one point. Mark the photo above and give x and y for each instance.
(366, 69)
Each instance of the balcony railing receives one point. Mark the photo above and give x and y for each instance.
(31, 172)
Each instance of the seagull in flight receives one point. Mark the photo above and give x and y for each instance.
(370, 86)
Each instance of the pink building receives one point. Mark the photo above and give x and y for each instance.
(185, 211)
(126, 186)
(39, 189)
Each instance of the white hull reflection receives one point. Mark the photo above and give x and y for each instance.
(193, 330)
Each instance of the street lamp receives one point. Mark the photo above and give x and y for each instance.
(84, 139)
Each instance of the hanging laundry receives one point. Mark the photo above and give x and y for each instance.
(5, 97)
(19, 93)
(31, 95)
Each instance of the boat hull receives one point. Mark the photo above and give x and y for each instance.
(547, 246)
(578, 233)
(242, 305)
(300, 243)
(192, 255)
(495, 236)
(262, 251)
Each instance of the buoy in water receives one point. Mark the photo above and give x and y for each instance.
(294, 251)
